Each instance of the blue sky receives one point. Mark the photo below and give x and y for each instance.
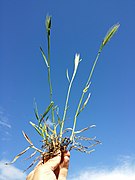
(77, 27)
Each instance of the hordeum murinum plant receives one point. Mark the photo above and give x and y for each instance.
(55, 137)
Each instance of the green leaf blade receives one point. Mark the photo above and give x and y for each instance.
(46, 111)
(44, 57)
(36, 128)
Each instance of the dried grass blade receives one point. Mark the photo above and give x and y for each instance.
(27, 138)
(38, 150)
(84, 129)
(93, 145)
(21, 153)
(67, 130)
(88, 152)
(31, 155)
(37, 158)
(82, 138)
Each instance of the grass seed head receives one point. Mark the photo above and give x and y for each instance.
(48, 24)
(110, 33)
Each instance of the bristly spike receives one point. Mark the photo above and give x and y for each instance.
(110, 34)
(48, 24)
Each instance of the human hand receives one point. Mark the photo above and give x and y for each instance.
(55, 168)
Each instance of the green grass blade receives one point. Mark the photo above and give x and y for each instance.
(36, 110)
(84, 105)
(46, 111)
(36, 128)
(44, 57)
(45, 130)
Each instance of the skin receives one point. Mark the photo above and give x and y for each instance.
(55, 168)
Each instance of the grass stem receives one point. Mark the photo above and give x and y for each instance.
(83, 93)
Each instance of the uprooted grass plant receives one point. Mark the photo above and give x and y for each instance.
(53, 136)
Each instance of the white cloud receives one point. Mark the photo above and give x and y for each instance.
(124, 171)
(10, 172)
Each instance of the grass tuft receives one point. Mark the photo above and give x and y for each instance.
(53, 135)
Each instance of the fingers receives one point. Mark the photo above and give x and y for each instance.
(30, 175)
(54, 162)
(54, 168)
(51, 163)
(65, 159)
(46, 170)
(64, 166)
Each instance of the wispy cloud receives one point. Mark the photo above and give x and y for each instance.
(124, 171)
(2, 123)
(10, 172)
(5, 126)
(4, 119)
